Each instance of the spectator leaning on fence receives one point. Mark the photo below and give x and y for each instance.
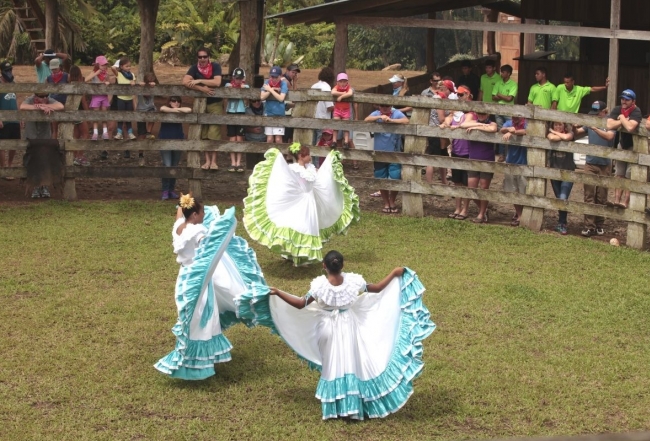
(567, 97)
(488, 81)
(171, 130)
(541, 93)
(323, 108)
(8, 129)
(255, 133)
(627, 116)
(204, 76)
(146, 104)
(42, 63)
(40, 129)
(434, 145)
(80, 130)
(274, 91)
(387, 142)
(595, 165)
(563, 161)
(504, 92)
(236, 106)
(515, 154)
(57, 77)
(291, 77)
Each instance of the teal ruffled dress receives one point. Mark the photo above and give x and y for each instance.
(293, 210)
(367, 347)
(220, 285)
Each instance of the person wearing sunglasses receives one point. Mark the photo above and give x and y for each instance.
(205, 76)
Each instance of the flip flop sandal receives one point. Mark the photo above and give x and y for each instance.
(394, 210)
(453, 215)
(514, 223)
(231, 169)
(386, 210)
(240, 170)
(460, 217)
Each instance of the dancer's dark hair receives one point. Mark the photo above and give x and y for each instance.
(189, 205)
(333, 262)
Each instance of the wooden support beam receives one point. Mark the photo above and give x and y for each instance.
(340, 47)
(533, 218)
(637, 233)
(306, 109)
(430, 52)
(612, 72)
(412, 203)
(66, 134)
(249, 36)
(491, 17)
(194, 158)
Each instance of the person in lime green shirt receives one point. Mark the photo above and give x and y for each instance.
(488, 81)
(541, 93)
(568, 96)
(505, 91)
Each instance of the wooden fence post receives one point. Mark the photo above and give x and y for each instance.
(412, 202)
(304, 109)
(194, 158)
(66, 133)
(637, 233)
(533, 218)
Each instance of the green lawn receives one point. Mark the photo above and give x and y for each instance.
(537, 334)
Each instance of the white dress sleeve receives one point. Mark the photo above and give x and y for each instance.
(186, 243)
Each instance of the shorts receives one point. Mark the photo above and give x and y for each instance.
(459, 176)
(515, 184)
(114, 103)
(212, 131)
(623, 169)
(434, 147)
(274, 131)
(341, 114)
(234, 131)
(99, 101)
(10, 131)
(385, 170)
(480, 175)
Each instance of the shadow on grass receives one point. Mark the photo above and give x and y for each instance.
(425, 404)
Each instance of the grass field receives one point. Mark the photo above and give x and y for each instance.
(537, 334)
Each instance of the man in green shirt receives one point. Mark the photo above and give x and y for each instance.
(541, 93)
(504, 92)
(488, 81)
(567, 97)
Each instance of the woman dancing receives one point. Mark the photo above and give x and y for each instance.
(219, 284)
(367, 347)
(294, 208)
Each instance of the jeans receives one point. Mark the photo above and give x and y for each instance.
(562, 190)
(170, 158)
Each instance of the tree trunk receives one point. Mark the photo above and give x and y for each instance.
(52, 24)
(248, 37)
(148, 14)
(233, 59)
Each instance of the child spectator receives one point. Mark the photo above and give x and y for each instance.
(234, 107)
(146, 104)
(325, 140)
(274, 91)
(563, 161)
(8, 129)
(342, 110)
(124, 75)
(515, 154)
(80, 127)
(100, 102)
(57, 76)
(255, 133)
(171, 158)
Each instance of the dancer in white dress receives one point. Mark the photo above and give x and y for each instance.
(294, 208)
(367, 347)
(219, 284)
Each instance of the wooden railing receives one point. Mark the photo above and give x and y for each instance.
(412, 159)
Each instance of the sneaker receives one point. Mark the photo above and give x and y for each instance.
(105, 136)
(165, 195)
(84, 161)
(36, 193)
(131, 136)
(600, 231)
(118, 135)
(95, 137)
(173, 195)
(346, 145)
(104, 155)
(561, 228)
(127, 154)
(141, 161)
(150, 136)
(77, 162)
(45, 193)
(588, 232)
(333, 145)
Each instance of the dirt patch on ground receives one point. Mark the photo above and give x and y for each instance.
(230, 188)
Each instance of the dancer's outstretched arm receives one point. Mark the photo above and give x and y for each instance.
(377, 287)
(296, 302)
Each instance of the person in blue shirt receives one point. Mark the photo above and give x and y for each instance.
(42, 63)
(388, 142)
(274, 91)
(515, 155)
(236, 106)
(8, 129)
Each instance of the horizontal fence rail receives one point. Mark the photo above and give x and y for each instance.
(415, 134)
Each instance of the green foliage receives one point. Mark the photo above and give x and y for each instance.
(315, 42)
(376, 48)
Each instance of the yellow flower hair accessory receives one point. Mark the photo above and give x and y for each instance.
(186, 201)
(295, 148)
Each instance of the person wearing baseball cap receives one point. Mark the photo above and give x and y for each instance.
(627, 116)
(42, 63)
(594, 165)
(274, 91)
(236, 106)
(342, 110)
(8, 129)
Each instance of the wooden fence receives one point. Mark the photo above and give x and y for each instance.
(412, 159)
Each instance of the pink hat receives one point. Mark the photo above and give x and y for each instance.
(449, 85)
(330, 131)
(342, 76)
(101, 60)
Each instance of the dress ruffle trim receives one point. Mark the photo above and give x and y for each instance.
(308, 173)
(349, 396)
(301, 248)
(338, 296)
(194, 359)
